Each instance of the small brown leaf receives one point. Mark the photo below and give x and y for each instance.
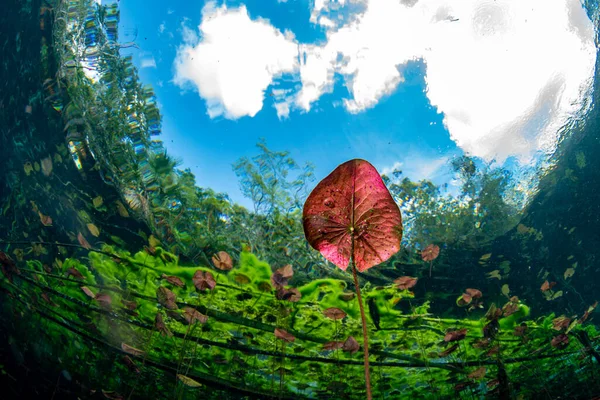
(455, 336)
(560, 323)
(130, 305)
(493, 351)
(449, 350)
(283, 335)
(334, 313)
(241, 279)
(350, 345)
(478, 373)
(333, 345)
(45, 219)
(560, 342)
(88, 292)
(82, 241)
(204, 280)
(104, 300)
(111, 395)
(464, 300)
(159, 323)
(520, 330)
(74, 273)
(192, 315)
(130, 364)
(222, 261)
(291, 294)
(47, 166)
(510, 308)
(286, 271)
(173, 280)
(405, 282)
(93, 230)
(131, 350)
(430, 252)
(166, 298)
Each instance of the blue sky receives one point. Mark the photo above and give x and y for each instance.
(352, 86)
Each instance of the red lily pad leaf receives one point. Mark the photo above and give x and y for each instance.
(283, 335)
(478, 373)
(334, 313)
(286, 271)
(333, 345)
(430, 252)
(560, 342)
(83, 242)
(173, 280)
(104, 300)
(192, 315)
(455, 336)
(291, 294)
(547, 286)
(405, 282)
(560, 323)
(350, 345)
(131, 350)
(74, 273)
(88, 292)
(222, 261)
(352, 209)
(474, 293)
(166, 298)
(449, 350)
(204, 280)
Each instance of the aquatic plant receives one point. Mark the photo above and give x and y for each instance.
(351, 219)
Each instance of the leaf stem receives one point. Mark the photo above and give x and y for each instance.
(364, 325)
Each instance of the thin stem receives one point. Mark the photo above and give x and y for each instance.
(364, 326)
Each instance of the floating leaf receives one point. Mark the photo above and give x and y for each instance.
(241, 279)
(405, 282)
(464, 300)
(505, 290)
(93, 230)
(474, 293)
(547, 286)
(350, 345)
(485, 257)
(334, 313)
(510, 308)
(204, 280)
(455, 336)
(587, 313)
(28, 168)
(45, 219)
(282, 275)
(283, 335)
(192, 315)
(82, 241)
(349, 209)
(430, 252)
(569, 272)
(131, 350)
(291, 294)
(478, 373)
(494, 274)
(222, 261)
(333, 345)
(122, 210)
(47, 166)
(173, 280)
(188, 381)
(166, 298)
(88, 292)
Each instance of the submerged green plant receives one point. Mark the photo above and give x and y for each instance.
(351, 218)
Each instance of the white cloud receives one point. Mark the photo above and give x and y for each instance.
(233, 60)
(161, 27)
(506, 74)
(418, 166)
(148, 62)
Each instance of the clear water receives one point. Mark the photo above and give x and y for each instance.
(130, 273)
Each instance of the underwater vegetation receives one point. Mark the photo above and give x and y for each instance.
(121, 278)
